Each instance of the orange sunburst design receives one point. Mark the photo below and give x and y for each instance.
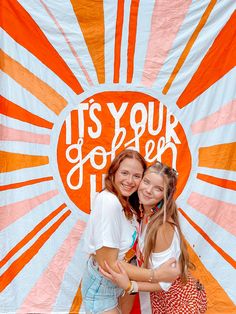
(28, 34)
(226, 256)
(14, 161)
(33, 84)
(227, 184)
(223, 304)
(21, 261)
(12, 110)
(31, 234)
(189, 45)
(132, 38)
(211, 70)
(209, 156)
(24, 183)
(85, 12)
(23, 34)
(77, 301)
(118, 38)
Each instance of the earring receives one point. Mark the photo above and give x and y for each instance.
(141, 210)
(160, 204)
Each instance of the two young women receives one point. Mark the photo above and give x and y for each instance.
(111, 233)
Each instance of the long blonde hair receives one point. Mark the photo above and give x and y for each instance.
(168, 212)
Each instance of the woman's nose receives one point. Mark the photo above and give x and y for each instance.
(130, 179)
(149, 189)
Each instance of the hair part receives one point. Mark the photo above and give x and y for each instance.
(129, 204)
(168, 213)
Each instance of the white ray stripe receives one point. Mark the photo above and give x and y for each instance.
(219, 94)
(124, 42)
(110, 13)
(14, 92)
(33, 270)
(25, 174)
(209, 254)
(34, 65)
(219, 235)
(29, 221)
(222, 135)
(68, 129)
(25, 192)
(24, 126)
(143, 32)
(215, 192)
(218, 173)
(68, 23)
(203, 42)
(25, 148)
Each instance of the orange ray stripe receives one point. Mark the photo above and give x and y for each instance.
(218, 302)
(227, 184)
(24, 183)
(132, 39)
(226, 256)
(118, 36)
(18, 23)
(211, 68)
(46, 94)
(189, 45)
(91, 21)
(13, 161)
(12, 110)
(221, 156)
(76, 304)
(14, 269)
(31, 234)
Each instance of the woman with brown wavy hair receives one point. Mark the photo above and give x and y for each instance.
(111, 234)
(160, 238)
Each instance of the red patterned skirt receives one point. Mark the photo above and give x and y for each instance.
(189, 298)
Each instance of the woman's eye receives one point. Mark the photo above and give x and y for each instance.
(138, 176)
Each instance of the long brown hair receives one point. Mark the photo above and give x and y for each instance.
(128, 204)
(167, 213)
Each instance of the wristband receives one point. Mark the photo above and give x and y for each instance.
(134, 289)
(129, 287)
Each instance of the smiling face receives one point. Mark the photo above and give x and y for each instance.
(128, 176)
(151, 190)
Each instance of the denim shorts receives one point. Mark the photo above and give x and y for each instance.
(99, 294)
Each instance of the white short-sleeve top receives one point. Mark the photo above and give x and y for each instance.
(156, 259)
(108, 226)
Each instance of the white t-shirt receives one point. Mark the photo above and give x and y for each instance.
(156, 259)
(108, 226)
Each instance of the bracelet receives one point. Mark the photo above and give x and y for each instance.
(134, 287)
(129, 288)
(151, 275)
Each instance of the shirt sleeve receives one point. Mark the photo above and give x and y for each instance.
(107, 221)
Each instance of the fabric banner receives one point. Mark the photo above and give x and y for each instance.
(83, 79)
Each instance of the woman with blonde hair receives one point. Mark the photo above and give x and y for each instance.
(160, 238)
(111, 234)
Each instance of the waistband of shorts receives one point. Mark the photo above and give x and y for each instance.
(93, 269)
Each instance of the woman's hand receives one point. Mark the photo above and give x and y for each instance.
(167, 272)
(120, 278)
